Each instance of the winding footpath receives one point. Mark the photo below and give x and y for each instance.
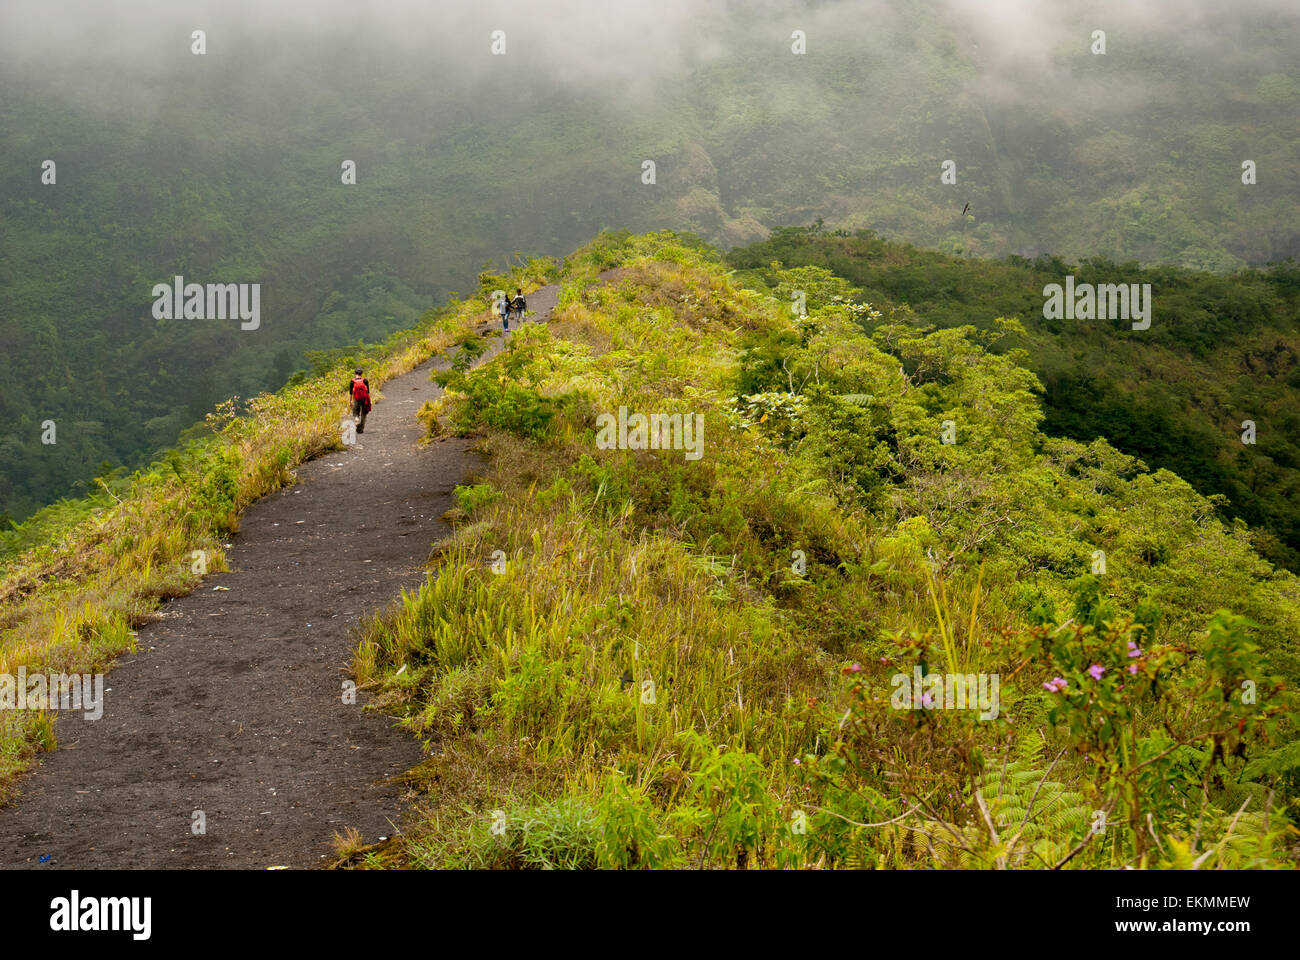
(233, 703)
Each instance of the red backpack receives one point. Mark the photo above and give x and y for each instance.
(360, 391)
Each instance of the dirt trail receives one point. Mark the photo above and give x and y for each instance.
(233, 703)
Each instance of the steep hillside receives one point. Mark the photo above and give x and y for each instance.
(695, 645)
(1220, 351)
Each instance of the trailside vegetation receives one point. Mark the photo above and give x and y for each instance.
(625, 658)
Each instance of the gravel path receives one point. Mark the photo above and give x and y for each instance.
(233, 703)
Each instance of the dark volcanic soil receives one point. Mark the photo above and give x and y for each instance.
(233, 703)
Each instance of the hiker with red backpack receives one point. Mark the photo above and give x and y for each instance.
(360, 391)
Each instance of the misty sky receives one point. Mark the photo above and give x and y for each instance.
(611, 44)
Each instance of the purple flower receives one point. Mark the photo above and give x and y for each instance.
(1096, 670)
(1132, 668)
(1055, 685)
(1133, 649)
(927, 701)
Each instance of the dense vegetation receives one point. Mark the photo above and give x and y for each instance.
(1220, 350)
(633, 658)
(226, 168)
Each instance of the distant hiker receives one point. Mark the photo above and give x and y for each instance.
(360, 391)
(505, 312)
(518, 305)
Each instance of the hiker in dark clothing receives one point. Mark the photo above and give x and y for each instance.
(359, 389)
(505, 312)
(519, 304)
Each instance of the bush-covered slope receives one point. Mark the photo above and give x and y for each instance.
(631, 657)
(1220, 350)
